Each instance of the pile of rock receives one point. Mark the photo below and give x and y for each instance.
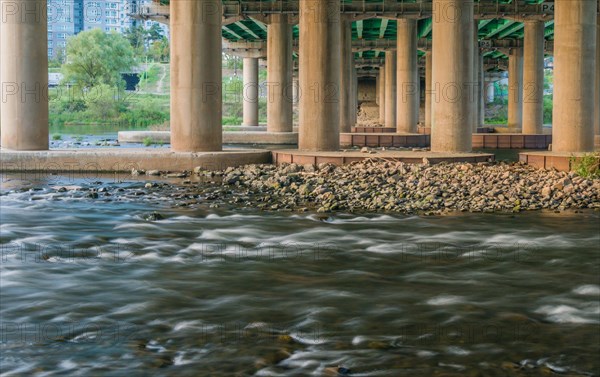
(375, 185)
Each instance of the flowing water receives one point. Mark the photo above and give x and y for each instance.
(96, 287)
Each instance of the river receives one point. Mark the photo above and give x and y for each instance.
(121, 285)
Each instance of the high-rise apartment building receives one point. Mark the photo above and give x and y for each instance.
(69, 17)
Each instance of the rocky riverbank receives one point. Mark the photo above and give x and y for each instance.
(369, 186)
(407, 188)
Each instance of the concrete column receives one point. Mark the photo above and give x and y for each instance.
(407, 76)
(354, 95)
(279, 74)
(428, 88)
(346, 77)
(597, 100)
(320, 63)
(382, 94)
(481, 91)
(452, 75)
(515, 88)
(196, 104)
(490, 95)
(250, 94)
(390, 89)
(377, 88)
(475, 83)
(575, 29)
(296, 93)
(533, 78)
(24, 75)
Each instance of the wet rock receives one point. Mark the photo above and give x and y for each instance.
(375, 345)
(285, 338)
(154, 216)
(62, 188)
(162, 361)
(177, 175)
(337, 371)
(153, 172)
(510, 366)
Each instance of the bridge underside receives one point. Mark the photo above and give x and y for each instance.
(447, 50)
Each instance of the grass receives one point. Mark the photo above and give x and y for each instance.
(148, 141)
(232, 121)
(56, 137)
(131, 109)
(586, 166)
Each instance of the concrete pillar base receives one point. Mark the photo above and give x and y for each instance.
(574, 75)
(250, 92)
(533, 78)
(407, 75)
(279, 74)
(320, 64)
(452, 74)
(196, 103)
(515, 88)
(390, 89)
(24, 75)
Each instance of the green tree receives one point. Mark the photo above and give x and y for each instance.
(159, 50)
(95, 57)
(136, 35)
(154, 33)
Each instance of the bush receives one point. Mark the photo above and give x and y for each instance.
(232, 121)
(587, 166)
(105, 103)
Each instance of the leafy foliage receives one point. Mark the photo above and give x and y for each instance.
(95, 58)
(149, 42)
(587, 166)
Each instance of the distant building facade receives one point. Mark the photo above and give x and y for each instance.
(67, 18)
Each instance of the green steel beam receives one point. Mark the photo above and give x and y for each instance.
(500, 29)
(359, 29)
(425, 27)
(247, 30)
(483, 23)
(382, 29)
(228, 29)
(260, 25)
(511, 30)
(549, 29)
